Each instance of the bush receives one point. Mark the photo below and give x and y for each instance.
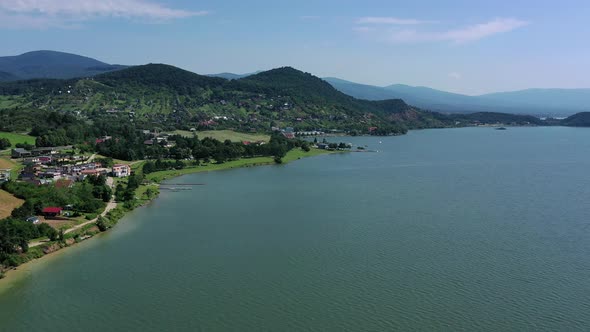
(4, 143)
(102, 224)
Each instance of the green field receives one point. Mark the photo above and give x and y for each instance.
(222, 135)
(17, 138)
(244, 162)
(9, 101)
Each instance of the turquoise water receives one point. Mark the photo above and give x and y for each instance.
(461, 229)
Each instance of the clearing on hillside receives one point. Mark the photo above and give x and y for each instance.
(15, 138)
(8, 203)
(222, 135)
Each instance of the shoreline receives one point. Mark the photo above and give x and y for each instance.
(17, 274)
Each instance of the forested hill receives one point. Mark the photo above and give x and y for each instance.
(283, 97)
(5, 76)
(578, 120)
(160, 76)
(51, 64)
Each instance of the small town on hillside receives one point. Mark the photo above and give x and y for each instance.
(61, 167)
(51, 165)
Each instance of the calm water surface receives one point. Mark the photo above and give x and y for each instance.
(462, 229)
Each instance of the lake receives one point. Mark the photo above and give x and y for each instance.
(452, 229)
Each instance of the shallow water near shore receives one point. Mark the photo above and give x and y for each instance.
(472, 229)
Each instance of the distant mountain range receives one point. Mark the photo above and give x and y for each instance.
(232, 76)
(542, 102)
(51, 64)
(539, 102)
(282, 97)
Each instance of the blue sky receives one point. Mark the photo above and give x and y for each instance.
(461, 46)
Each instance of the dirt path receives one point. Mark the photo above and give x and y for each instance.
(110, 206)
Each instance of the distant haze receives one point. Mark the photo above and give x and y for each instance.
(542, 102)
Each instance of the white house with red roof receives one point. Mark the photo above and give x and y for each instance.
(121, 170)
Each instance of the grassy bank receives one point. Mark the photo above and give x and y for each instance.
(292, 155)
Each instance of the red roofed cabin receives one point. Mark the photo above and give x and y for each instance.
(51, 211)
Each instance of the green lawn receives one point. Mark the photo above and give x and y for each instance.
(17, 138)
(222, 135)
(244, 162)
(9, 101)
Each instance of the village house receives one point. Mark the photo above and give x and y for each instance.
(64, 183)
(51, 212)
(31, 160)
(4, 175)
(20, 153)
(90, 172)
(44, 159)
(289, 135)
(121, 170)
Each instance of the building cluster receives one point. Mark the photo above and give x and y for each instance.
(63, 175)
(20, 153)
(158, 139)
(50, 166)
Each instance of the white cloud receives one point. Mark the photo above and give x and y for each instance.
(455, 75)
(391, 21)
(31, 22)
(459, 36)
(479, 31)
(363, 29)
(64, 13)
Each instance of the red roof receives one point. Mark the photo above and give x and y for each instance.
(63, 183)
(52, 209)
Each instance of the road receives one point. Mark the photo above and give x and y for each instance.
(110, 206)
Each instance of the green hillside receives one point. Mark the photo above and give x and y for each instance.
(178, 99)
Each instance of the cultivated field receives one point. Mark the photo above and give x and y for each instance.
(222, 135)
(5, 163)
(8, 203)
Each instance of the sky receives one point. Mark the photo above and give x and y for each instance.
(464, 46)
